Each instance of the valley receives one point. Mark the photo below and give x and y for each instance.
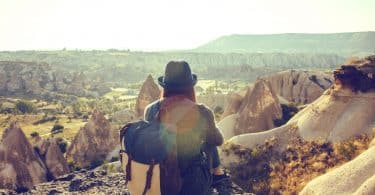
(67, 122)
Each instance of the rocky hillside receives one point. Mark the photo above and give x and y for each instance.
(343, 112)
(342, 43)
(81, 182)
(41, 80)
(301, 87)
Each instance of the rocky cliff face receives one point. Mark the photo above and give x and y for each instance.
(39, 79)
(234, 103)
(300, 87)
(359, 76)
(149, 92)
(93, 142)
(20, 166)
(343, 112)
(52, 157)
(258, 110)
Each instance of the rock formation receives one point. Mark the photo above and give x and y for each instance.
(123, 116)
(20, 166)
(213, 100)
(233, 105)
(148, 93)
(51, 155)
(93, 142)
(41, 80)
(255, 112)
(357, 77)
(300, 87)
(258, 110)
(340, 113)
(354, 177)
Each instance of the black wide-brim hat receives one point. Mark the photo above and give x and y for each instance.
(177, 76)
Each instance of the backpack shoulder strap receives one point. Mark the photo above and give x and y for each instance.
(148, 177)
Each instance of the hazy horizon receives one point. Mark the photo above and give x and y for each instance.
(168, 24)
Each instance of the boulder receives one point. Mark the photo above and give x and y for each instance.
(149, 92)
(20, 166)
(93, 143)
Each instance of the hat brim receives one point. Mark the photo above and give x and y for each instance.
(194, 80)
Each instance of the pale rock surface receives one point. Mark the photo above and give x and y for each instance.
(300, 87)
(20, 166)
(226, 126)
(213, 100)
(93, 142)
(253, 112)
(337, 115)
(149, 92)
(343, 111)
(258, 110)
(233, 105)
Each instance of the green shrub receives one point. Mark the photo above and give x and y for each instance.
(57, 128)
(45, 119)
(266, 170)
(25, 107)
(96, 163)
(63, 145)
(34, 134)
(73, 166)
(289, 110)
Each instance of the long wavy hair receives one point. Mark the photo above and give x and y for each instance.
(188, 92)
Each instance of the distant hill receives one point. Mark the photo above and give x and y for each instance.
(356, 43)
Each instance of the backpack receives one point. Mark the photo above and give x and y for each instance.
(160, 152)
(140, 156)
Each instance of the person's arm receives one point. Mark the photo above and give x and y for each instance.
(213, 134)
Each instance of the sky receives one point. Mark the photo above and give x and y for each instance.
(154, 25)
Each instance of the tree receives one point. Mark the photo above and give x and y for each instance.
(34, 134)
(25, 107)
(57, 128)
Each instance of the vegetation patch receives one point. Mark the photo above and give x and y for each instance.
(264, 170)
(289, 110)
